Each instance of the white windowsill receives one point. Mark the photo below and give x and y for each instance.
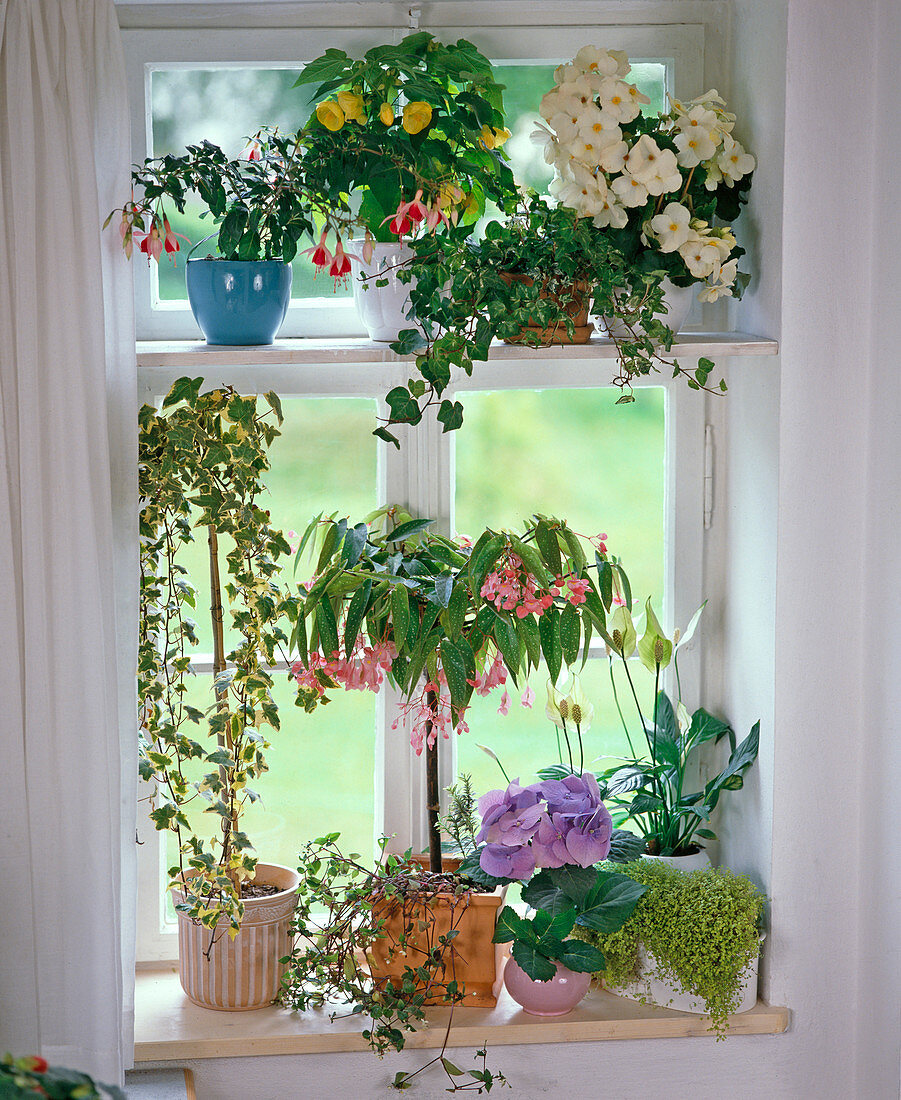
(169, 1028)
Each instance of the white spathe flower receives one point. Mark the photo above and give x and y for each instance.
(734, 162)
(630, 191)
(592, 59)
(616, 98)
(585, 193)
(701, 257)
(694, 146)
(671, 227)
(612, 213)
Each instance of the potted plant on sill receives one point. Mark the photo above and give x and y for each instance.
(650, 790)
(410, 135)
(661, 190)
(440, 620)
(201, 458)
(262, 207)
(692, 942)
(31, 1076)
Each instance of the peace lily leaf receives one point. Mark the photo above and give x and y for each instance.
(705, 727)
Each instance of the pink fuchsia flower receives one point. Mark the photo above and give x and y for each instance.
(416, 210)
(170, 238)
(126, 227)
(368, 247)
(151, 244)
(340, 266)
(320, 255)
(398, 222)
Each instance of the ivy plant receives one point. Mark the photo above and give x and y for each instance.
(201, 459)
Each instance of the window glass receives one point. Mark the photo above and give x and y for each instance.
(226, 106)
(572, 454)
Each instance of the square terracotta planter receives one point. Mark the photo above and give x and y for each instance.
(575, 301)
(472, 962)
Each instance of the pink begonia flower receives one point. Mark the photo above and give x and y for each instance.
(528, 697)
(599, 542)
(463, 541)
(617, 600)
(321, 256)
(504, 708)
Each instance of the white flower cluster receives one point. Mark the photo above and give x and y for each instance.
(603, 173)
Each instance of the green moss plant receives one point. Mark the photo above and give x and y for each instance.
(702, 928)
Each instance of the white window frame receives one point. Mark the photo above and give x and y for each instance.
(421, 474)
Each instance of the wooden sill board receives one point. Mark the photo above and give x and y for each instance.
(168, 1027)
(357, 350)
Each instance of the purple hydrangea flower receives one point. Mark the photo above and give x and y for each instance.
(501, 861)
(588, 841)
(511, 816)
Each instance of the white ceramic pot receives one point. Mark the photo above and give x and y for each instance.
(244, 972)
(382, 309)
(678, 301)
(653, 990)
(697, 861)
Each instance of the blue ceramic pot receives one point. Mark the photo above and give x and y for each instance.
(238, 301)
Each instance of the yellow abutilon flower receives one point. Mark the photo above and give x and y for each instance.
(493, 137)
(352, 106)
(386, 114)
(330, 115)
(417, 116)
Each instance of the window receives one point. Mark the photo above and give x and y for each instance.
(617, 469)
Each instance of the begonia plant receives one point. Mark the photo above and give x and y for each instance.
(441, 619)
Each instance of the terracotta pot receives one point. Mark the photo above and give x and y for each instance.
(575, 301)
(555, 997)
(448, 863)
(472, 964)
(244, 972)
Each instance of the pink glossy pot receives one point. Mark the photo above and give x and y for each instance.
(555, 997)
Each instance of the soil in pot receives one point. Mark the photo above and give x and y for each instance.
(574, 300)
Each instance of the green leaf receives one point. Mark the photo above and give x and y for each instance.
(551, 646)
(570, 633)
(400, 615)
(549, 547)
(355, 612)
(183, 389)
(541, 893)
(625, 846)
(511, 926)
(354, 541)
(536, 965)
(583, 958)
(611, 902)
(405, 530)
(605, 580)
(575, 882)
(450, 414)
(705, 727)
(507, 638)
(328, 629)
(456, 610)
(456, 672)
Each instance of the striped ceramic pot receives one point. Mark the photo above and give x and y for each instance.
(244, 972)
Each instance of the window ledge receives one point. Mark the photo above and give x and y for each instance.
(168, 1027)
(357, 350)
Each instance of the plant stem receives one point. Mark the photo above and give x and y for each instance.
(619, 709)
(569, 750)
(433, 803)
(225, 740)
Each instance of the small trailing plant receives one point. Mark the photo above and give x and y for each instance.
(650, 791)
(350, 920)
(201, 460)
(702, 928)
(31, 1076)
(441, 619)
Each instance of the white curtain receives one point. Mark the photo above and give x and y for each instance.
(68, 507)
